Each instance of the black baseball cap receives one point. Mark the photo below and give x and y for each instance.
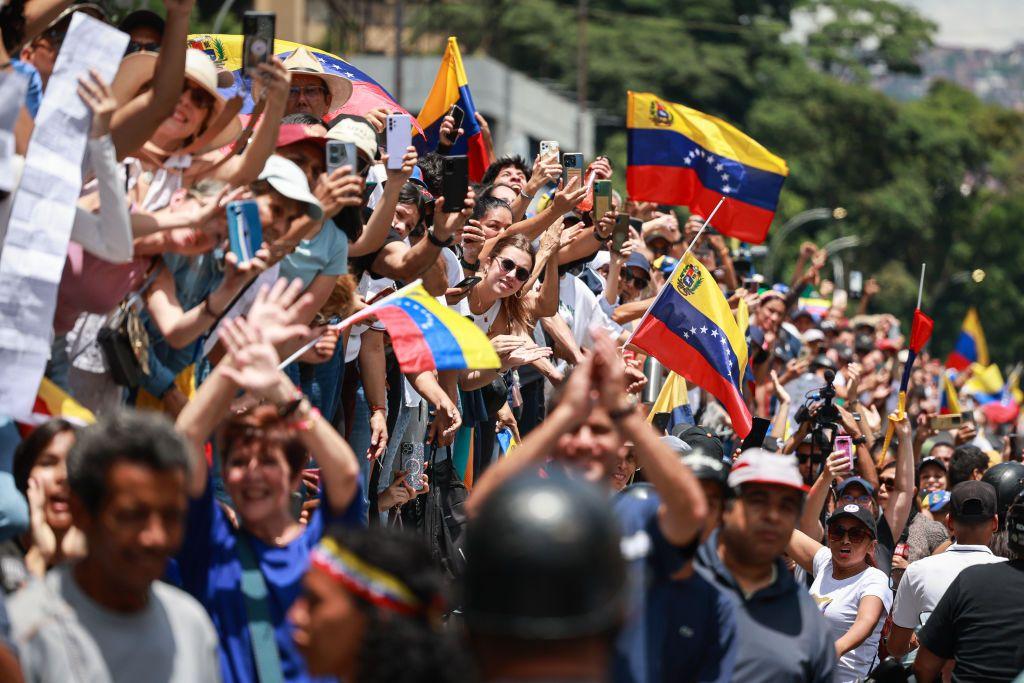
(698, 438)
(854, 511)
(142, 17)
(973, 501)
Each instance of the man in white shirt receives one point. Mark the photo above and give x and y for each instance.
(972, 521)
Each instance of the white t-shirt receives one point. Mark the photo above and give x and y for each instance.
(926, 581)
(578, 306)
(839, 600)
(455, 276)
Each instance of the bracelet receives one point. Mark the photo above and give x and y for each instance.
(290, 406)
(528, 196)
(209, 309)
(860, 441)
(6, 65)
(306, 424)
(374, 409)
(471, 266)
(436, 242)
(625, 411)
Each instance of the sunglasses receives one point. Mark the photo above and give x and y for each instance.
(887, 482)
(311, 92)
(859, 500)
(200, 98)
(854, 533)
(134, 46)
(641, 281)
(508, 265)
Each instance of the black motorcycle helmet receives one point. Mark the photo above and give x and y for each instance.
(707, 467)
(1015, 525)
(1007, 478)
(543, 562)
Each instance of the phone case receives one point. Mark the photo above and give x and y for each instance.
(549, 148)
(340, 154)
(258, 41)
(572, 167)
(245, 231)
(459, 115)
(399, 137)
(454, 182)
(412, 463)
(620, 233)
(602, 198)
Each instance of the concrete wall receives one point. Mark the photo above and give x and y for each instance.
(520, 110)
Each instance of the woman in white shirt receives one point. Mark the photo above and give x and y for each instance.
(853, 595)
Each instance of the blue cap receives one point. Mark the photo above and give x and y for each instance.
(636, 260)
(937, 500)
(856, 480)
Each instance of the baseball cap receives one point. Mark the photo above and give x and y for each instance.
(813, 335)
(290, 133)
(142, 17)
(636, 260)
(936, 500)
(857, 512)
(698, 438)
(931, 460)
(359, 133)
(973, 501)
(845, 483)
(758, 466)
(288, 179)
(678, 446)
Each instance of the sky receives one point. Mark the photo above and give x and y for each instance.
(993, 24)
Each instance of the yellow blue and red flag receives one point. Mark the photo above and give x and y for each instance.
(452, 87)
(949, 402)
(692, 331)
(680, 156)
(970, 346)
(427, 335)
(674, 400)
(51, 402)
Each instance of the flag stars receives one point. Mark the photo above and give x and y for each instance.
(719, 167)
(704, 330)
(693, 330)
(726, 189)
(714, 333)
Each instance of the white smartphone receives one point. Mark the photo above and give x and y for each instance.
(399, 137)
(549, 148)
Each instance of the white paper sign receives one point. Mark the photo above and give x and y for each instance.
(36, 246)
(13, 86)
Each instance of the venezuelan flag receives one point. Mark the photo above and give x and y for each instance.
(673, 399)
(970, 345)
(427, 335)
(452, 87)
(949, 402)
(52, 401)
(691, 330)
(680, 156)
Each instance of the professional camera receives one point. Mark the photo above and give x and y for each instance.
(823, 415)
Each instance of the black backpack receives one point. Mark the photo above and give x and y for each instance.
(440, 517)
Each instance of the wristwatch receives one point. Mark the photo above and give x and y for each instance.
(627, 409)
(436, 242)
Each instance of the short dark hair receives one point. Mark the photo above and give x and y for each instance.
(141, 438)
(508, 160)
(965, 460)
(12, 18)
(263, 424)
(302, 118)
(29, 450)
(431, 166)
(485, 205)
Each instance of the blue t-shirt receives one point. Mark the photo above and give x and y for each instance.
(211, 571)
(649, 558)
(34, 93)
(326, 253)
(691, 631)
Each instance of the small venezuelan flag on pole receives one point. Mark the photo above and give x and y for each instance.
(683, 157)
(452, 87)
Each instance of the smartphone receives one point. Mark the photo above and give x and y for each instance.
(549, 148)
(620, 233)
(750, 284)
(572, 167)
(454, 182)
(844, 444)
(398, 131)
(412, 464)
(660, 422)
(340, 154)
(856, 284)
(602, 198)
(637, 225)
(457, 113)
(758, 431)
(468, 282)
(944, 422)
(258, 40)
(245, 232)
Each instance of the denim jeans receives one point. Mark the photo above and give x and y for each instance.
(321, 382)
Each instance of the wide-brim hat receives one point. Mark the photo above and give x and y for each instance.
(137, 71)
(303, 61)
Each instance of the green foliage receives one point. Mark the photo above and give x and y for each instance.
(939, 180)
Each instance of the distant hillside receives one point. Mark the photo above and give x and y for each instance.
(994, 76)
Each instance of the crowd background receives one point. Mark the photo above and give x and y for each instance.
(188, 510)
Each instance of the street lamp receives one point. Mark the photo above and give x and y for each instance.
(801, 219)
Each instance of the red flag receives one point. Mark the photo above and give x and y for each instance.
(920, 331)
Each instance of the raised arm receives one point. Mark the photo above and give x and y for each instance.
(897, 507)
(835, 468)
(802, 549)
(376, 229)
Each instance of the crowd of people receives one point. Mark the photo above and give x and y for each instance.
(224, 516)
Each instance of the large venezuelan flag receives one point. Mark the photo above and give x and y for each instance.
(970, 345)
(452, 87)
(427, 335)
(691, 330)
(680, 156)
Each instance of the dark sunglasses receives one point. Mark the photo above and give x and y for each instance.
(199, 97)
(887, 482)
(855, 534)
(134, 46)
(641, 281)
(508, 265)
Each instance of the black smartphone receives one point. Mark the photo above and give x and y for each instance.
(660, 422)
(338, 154)
(758, 431)
(620, 233)
(636, 224)
(457, 113)
(258, 41)
(468, 283)
(572, 167)
(454, 182)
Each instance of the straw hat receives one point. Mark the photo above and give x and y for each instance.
(303, 61)
(137, 71)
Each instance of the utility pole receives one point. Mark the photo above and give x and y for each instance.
(398, 50)
(581, 72)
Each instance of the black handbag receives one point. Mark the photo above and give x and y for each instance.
(123, 339)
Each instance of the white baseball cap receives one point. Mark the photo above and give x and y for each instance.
(288, 179)
(758, 466)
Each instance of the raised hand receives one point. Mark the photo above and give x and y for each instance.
(447, 134)
(98, 96)
(400, 175)
(275, 311)
(568, 196)
(340, 189)
(276, 79)
(253, 361)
